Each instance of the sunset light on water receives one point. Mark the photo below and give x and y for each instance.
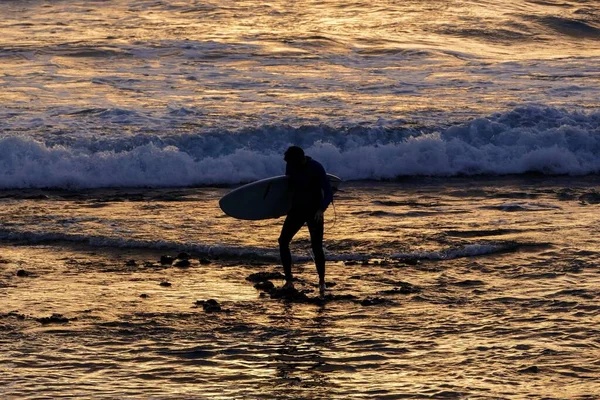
(461, 249)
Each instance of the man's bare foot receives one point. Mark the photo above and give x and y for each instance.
(289, 285)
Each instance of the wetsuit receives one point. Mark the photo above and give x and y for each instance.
(311, 192)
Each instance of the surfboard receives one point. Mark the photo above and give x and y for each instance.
(264, 199)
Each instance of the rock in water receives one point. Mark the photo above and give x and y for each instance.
(404, 288)
(54, 319)
(209, 306)
(289, 294)
(265, 286)
(166, 260)
(373, 301)
(530, 370)
(182, 263)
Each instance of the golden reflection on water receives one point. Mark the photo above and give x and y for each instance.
(281, 61)
(473, 328)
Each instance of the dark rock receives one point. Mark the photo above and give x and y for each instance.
(265, 286)
(373, 301)
(209, 306)
(469, 283)
(566, 194)
(149, 264)
(166, 260)
(22, 273)
(264, 276)
(144, 296)
(183, 256)
(130, 263)
(523, 347)
(289, 294)
(530, 370)
(182, 263)
(204, 261)
(54, 319)
(165, 284)
(403, 288)
(350, 262)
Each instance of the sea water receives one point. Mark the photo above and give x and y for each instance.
(122, 123)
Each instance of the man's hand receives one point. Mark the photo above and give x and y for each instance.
(319, 216)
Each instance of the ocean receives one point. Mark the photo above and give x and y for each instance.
(461, 247)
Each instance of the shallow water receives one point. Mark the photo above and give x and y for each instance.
(496, 297)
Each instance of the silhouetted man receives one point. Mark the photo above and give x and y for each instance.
(311, 195)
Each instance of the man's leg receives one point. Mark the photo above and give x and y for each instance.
(292, 224)
(315, 227)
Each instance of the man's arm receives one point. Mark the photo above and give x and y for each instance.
(326, 186)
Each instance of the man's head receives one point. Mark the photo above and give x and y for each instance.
(294, 155)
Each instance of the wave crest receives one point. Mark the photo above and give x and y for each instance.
(526, 139)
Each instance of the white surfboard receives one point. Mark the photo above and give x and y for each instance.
(264, 199)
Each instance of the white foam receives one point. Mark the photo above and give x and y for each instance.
(246, 252)
(526, 139)
(470, 250)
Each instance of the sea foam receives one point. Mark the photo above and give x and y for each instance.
(525, 139)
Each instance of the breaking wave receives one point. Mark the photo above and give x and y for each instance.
(526, 139)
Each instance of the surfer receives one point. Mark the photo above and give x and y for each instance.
(311, 195)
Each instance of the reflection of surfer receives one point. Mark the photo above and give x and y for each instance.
(311, 194)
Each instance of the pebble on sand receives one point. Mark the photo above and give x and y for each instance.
(22, 273)
(144, 296)
(130, 263)
(165, 284)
